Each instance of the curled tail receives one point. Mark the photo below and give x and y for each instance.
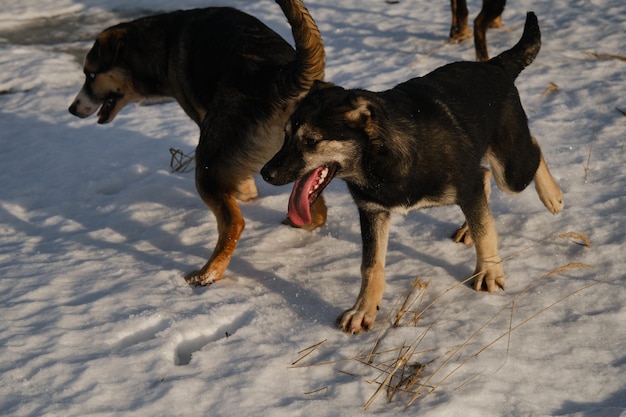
(310, 57)
(524, 52)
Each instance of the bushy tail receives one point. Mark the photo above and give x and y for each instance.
(524, 52)
(310, 57)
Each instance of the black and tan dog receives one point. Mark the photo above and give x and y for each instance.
(490, 16)
(420, 144)
(234, 76)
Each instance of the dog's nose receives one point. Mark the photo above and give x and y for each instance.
(72, 109)
(268, 174)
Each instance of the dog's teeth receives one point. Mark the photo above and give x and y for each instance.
(320, 180)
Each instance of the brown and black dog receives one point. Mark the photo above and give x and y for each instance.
(420, 144)
(489, 16)
(234, 76)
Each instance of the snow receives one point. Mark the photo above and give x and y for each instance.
(96, 234)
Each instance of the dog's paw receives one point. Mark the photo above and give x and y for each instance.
(355, 321)
(463, 235)
(460, 33)
(200, 279)
(551, 197)
(491, 279)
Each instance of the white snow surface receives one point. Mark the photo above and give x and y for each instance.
(96, 235)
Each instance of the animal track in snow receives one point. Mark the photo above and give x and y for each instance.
(144, 332)
(195, 341)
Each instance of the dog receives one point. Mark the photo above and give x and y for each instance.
(235, 77)
(420, 144)
(490, 16)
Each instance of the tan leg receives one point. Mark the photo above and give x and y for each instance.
(230, 225)
(462, 234)
(489, 272)
(375, 235)
(247, 190)
(496, 23)
(548, 190)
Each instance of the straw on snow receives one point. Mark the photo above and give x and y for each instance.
(403, 373)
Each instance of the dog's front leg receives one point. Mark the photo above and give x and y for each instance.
(489, 273)
(375, 234)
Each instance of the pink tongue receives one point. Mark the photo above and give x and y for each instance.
(299, 210)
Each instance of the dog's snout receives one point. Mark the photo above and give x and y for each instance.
(73, 108)
(268, 174)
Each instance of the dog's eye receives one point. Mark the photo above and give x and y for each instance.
(91, 75)
(310, 142)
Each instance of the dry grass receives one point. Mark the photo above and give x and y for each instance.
(410, 372)
(551, 88)
(602, 56)
(562, 269)
(180, 162)
(577, 237)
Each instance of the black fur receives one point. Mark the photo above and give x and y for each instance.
(233, 75)
(420, 144)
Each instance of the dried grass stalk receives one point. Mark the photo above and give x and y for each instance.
(565, 268)
(180, 162)
(551, 88)
(573, 235)
(308, 351)
(602, 55)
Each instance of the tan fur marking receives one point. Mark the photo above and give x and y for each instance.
(359, 115)
(498, 173)
(247, 190)
(548, 190)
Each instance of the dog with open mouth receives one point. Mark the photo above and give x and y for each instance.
(234, 76)
(420, 144)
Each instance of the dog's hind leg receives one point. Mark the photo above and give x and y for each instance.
(375, 235)
(548, 190)
(230, 225)
(462, 234)
(459, 28)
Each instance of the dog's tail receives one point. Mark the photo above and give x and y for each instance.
(524, 52)
(310, 57)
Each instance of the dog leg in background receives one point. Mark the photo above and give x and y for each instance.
(375, 235)
(319, 212)
(462, 234)
(459, 28)
(548, 190)
(488, 17)
(230, 225)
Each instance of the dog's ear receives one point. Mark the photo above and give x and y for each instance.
(321, 85)
(107, 48)
(360, 114)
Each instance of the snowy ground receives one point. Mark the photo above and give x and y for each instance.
(96, 234)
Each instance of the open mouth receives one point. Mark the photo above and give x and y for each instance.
(107, 111)
(305, 192)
